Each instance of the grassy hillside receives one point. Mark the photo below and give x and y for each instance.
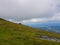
(18, 34)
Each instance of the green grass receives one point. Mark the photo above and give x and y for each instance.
(18, 34)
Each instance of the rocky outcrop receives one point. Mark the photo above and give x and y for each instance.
(48, 38)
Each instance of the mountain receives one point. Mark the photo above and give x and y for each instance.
(19, 34)
(49, 26)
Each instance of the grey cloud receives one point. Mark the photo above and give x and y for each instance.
(26, 9)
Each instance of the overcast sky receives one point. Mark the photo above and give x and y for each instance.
(31, 10)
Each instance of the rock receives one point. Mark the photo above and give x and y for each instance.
(20, 23)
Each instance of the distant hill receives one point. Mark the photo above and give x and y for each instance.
(18, 34)
(49, 26)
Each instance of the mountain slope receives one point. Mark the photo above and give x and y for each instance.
(18, 34)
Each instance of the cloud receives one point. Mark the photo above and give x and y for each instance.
(27, 8)
(36, 20)
(56, 17)
(30, 10)
(53, 18)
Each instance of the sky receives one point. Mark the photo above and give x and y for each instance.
(30, 10)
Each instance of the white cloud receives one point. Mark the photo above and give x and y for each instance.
(56, 17)
(36, 20)
(53, 18)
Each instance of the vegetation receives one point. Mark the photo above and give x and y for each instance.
(18, 34)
